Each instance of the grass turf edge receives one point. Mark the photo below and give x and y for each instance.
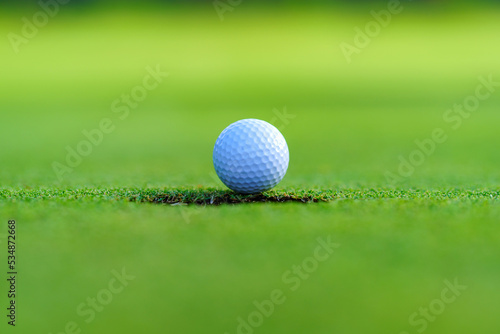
(214, 196)
(219, 197)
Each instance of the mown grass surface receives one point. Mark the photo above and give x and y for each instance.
(211, 196)
(197, 196)
(397, 247)
(200, 268)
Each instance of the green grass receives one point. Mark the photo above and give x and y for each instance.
(147, 198)
(201, 196)
(211, 263)
(167, 196)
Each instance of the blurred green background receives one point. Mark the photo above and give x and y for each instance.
(349, 124)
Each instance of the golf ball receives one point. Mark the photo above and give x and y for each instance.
(251, 156)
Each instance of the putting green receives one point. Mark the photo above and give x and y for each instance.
(95, 254)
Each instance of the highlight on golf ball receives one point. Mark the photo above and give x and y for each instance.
(251, 156)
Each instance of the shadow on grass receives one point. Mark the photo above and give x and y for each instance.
(219, 197)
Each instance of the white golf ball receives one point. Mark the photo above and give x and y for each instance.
(251, 156)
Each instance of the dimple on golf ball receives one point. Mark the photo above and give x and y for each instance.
(251, 156)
